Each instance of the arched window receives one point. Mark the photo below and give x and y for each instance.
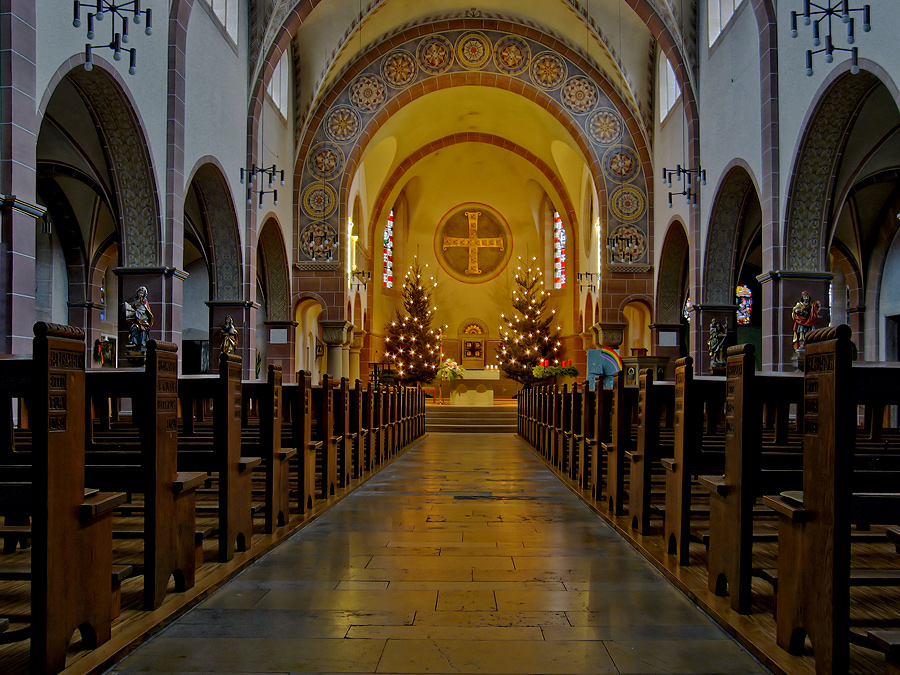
(559, 252)
(387, 276)
(719, 13)
(226, 11)
(278, 88)
(667, 86)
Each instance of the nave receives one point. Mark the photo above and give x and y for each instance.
(464, 555)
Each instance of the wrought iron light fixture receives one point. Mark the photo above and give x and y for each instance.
(815, 14)
(588, 280)
(270, 173)
(361, 278)
(118, 37)
(691, 176)
(624, 248)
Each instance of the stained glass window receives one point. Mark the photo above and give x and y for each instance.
(387, 278)
(744, 300)
(559, 252)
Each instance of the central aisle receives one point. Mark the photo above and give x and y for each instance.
(465, 555)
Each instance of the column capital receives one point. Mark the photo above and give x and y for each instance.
(335, 332)
(356, 344)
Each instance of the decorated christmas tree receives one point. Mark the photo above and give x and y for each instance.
(411, 345)
(527, 338)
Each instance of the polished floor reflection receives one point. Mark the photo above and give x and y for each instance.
(466, 555)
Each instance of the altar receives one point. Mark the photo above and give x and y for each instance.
(478, 387)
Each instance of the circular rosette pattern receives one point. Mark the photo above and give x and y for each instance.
(512, 55)
(399, 68)
(548, 70)
(318, 200)
(628, 203)
(435, 54)
(342, 124)
(605, 126)
(318, 241)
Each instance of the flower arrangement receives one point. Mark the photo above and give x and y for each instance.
(543, 372)
(450, 370)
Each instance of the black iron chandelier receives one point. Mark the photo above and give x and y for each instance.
(690, 177)
(816, 14)
(270, 173)
(121, 14)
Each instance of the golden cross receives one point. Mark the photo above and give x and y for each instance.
(473, 242)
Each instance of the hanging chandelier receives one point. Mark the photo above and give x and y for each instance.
(119, 20)
(829, 13)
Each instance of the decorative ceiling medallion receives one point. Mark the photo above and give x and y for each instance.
(435, 54)
(473, 50)
(605, 126)
(318, 241)
(628, 203)
(399, 68)
(511, 55)
(548, 70)
(342, 124)
(318, 200)
(580, 94)
(368, 93)
(473, 243)
(620, 164)
(630, 243)
(326, 160)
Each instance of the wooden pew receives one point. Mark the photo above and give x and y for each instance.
(341, 407)
(220, 452)
(602, 410)
(749, 473)
(298, 408)
(71, 557)
(648, 449)
(267, 444)
(815, 524)
(690, 456)
(324, 437)
(582, 427)
(358, 433)
(152, 468)
(621, 442)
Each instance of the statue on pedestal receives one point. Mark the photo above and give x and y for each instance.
(716, 343)
(229, 335)
(140, 320)
(805, 314)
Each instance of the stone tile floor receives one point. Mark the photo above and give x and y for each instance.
(465, 555)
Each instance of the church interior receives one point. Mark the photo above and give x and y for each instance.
(249, 191)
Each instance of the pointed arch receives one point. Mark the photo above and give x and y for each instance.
(672, 273)
(221, 225)
(723, 236)
(275, 272)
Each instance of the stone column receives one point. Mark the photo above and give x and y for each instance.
(667, 341)
(781, 291)
(160, 283)
(356, 346)
(19, 126)
(281, 338)
(334, 334)
(345, 353)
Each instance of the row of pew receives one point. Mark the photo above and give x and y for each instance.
(91, 496)
(784, 486)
